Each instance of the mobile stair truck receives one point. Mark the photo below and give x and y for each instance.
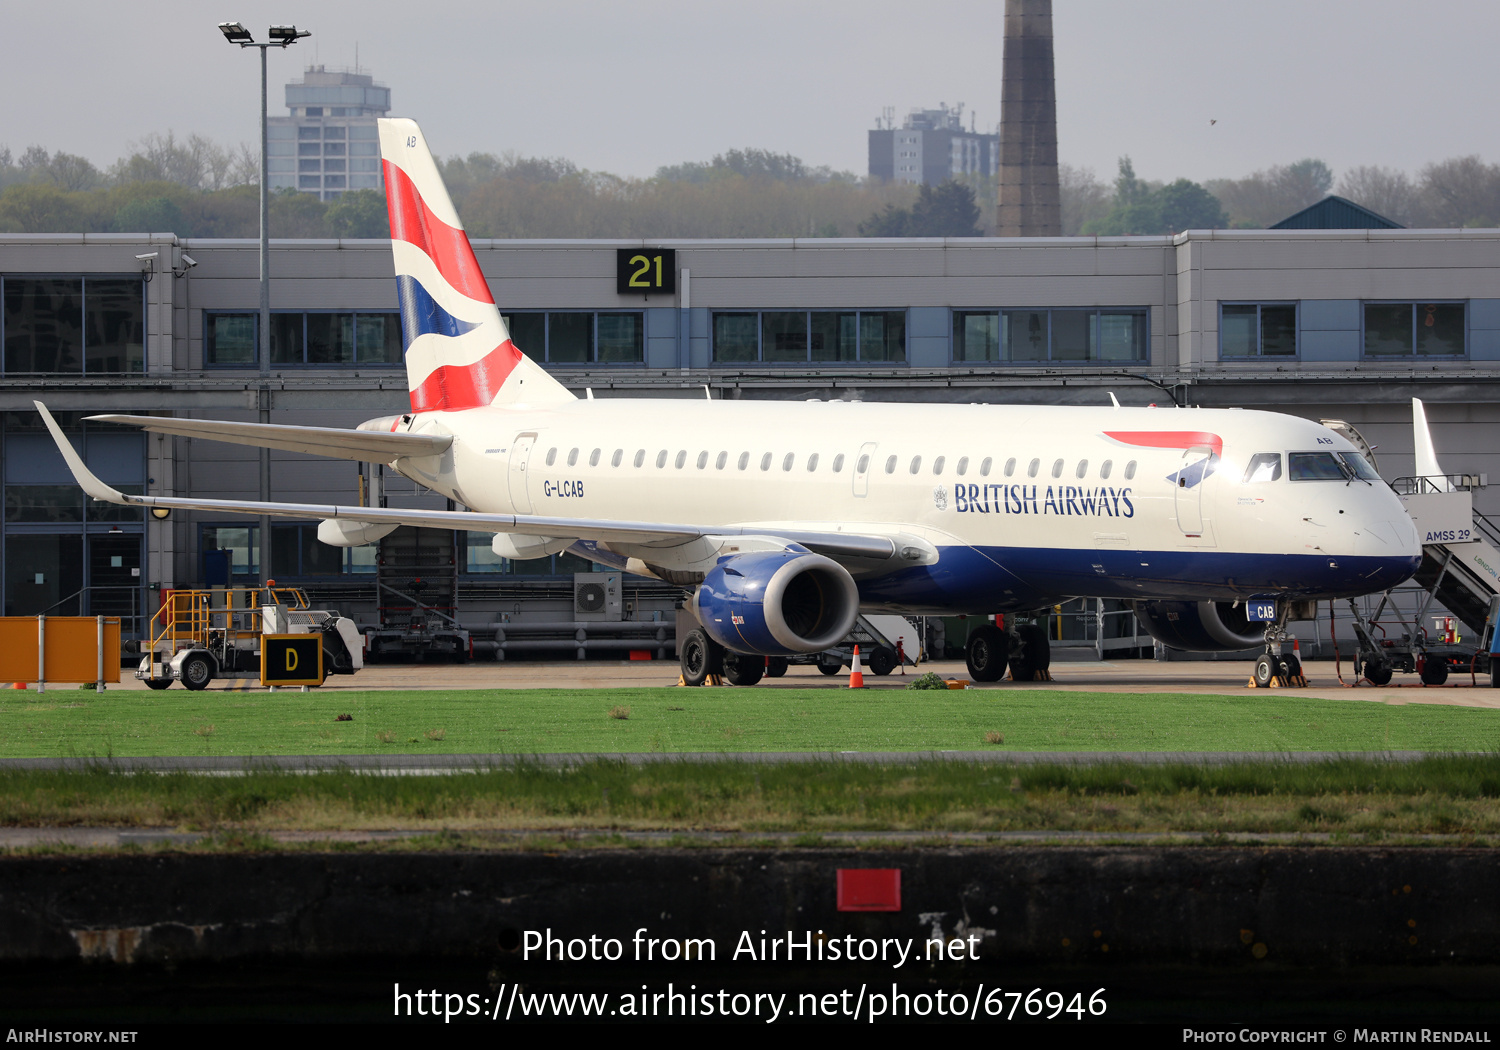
(201, 635)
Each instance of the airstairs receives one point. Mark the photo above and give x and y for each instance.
(1459, 571)
(1460, 546)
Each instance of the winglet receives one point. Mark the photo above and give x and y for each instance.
(1426, 456)
(81, 474)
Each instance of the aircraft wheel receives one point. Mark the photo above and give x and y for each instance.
(1265, 670)
(776, 666)
(1291, 666)
(1376, 670)
(829, 666)
(197, 671)
(1038, 648)
(1494, 673)
(986, 653)
(699, 657)
(1434, 671)
(158, 683)
(882, 660)
(744, 668)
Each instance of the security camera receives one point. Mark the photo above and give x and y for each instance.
(188, 260)
(148, 255)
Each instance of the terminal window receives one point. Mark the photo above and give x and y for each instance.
(1257, 330)
(315, 339)
(1067, 336)
(810, 336)
(580, 338)
(73, 325)
(1414, 330)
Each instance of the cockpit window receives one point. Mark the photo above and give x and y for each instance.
(1265, 466)
(1315, 466)
(1361, 466)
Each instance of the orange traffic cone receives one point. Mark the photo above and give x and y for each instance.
(856, 676)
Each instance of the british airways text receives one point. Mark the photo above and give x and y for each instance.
(1098, 502)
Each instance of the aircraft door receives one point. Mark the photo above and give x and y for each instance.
(1197, 464)
(862, 464)
(520, 456)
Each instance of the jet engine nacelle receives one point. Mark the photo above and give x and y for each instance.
(1200, 627)
(777, 602)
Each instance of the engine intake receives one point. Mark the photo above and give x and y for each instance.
(1200, 627)
(777, 602)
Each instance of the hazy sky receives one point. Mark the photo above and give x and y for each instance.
(629, 85)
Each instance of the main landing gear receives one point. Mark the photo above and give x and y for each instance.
(1023, 649)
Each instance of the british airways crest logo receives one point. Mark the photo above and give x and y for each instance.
(1190, 475)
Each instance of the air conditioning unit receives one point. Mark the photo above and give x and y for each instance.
(597, 596)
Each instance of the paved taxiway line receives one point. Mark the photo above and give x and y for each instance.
(226, 765)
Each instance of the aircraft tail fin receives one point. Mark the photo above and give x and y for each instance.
(458, 350)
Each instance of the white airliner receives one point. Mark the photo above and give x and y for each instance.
(786, 519)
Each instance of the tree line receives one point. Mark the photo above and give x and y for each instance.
(197, 188)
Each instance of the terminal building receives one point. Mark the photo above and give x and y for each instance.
(1346, 324)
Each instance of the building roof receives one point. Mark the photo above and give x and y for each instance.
(1336, 213)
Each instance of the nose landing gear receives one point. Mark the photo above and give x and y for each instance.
(1276, 667)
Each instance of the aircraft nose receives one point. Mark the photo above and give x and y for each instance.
(1386, 539)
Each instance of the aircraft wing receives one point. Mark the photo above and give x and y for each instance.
(364, 445)
(835, 544)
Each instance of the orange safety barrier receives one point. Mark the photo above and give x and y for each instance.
(71, 648)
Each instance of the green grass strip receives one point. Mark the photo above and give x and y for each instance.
(62, 723)
(1451, 795)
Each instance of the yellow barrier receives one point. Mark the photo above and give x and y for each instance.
(71, 644)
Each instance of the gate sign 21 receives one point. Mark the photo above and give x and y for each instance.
(1261, 611)
(646, 271)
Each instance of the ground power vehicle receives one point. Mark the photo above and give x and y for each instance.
(203, 635)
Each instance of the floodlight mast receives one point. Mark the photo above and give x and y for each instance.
(282, 37)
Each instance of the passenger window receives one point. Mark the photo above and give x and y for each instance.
(765, 461)
(1104, 469)
(702, 459)
(744, 460)
(1130, 470)
(1083, 468)
(937, 465)
(863, 465)
(1034, 466)
(812, 462)
(890, 465)
(838, 463)
(573, 458)
(1010, 466)
(661, 459)
(916, 464)
(618, 456)
(594, 457)
(640, 458)
(963, 466)
(1264, 466)
(723, 458)
(984, 467)
(551, 456)
(681, 459)
(786, 464)
(1057, 469)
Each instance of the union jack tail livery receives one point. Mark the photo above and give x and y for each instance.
(458, 351)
